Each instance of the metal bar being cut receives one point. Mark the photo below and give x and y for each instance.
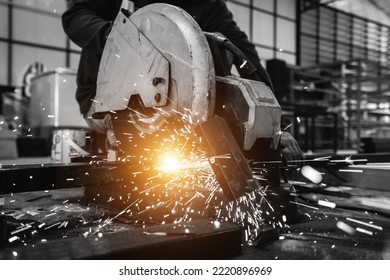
(226, 159)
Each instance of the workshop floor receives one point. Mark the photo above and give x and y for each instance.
(59, 224)
(349, 231)
(325, 234)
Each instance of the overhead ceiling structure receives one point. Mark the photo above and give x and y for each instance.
(376, 10)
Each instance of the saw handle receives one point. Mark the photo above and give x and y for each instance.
(246, 69)
(128, 6)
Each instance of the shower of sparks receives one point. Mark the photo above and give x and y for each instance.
(52, 226)
(345, 227)
(172, 163)
(327, 204)
(351, 170)
(155, 233)
(23, 228)
(244, 62)
(12, 239)
(287, 127)
(304, 205)
(362, 230)
(311, 174)
(48, 215)
(365, 224)
(323, 158)
(173, 182)
(348, 160)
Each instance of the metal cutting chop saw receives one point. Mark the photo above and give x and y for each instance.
(158, 63)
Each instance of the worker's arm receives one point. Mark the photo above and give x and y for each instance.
(87, 22)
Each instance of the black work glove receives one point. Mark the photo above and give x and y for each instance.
(290, 148)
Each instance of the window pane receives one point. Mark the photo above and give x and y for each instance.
(342, 52)
(247, 2)
(286, 38)
(38, 28)
(286, 8)
(73, 46)
(263, 29)
(308, 51)
(289, 58)
(267, 5)
(74, 61)
(3, 21)
(265, 54)
(54, 6)
(384, 38)
(3, 64)
(24, 56)
(241, 16)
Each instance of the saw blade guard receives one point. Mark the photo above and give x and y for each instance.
(154, 63)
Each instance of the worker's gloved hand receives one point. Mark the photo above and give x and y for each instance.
(290, 148)
(111, 139)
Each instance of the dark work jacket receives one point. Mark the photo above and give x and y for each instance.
(88, 22)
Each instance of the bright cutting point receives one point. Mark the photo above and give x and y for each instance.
(170, 163)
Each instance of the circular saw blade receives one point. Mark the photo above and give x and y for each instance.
(191, 69)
